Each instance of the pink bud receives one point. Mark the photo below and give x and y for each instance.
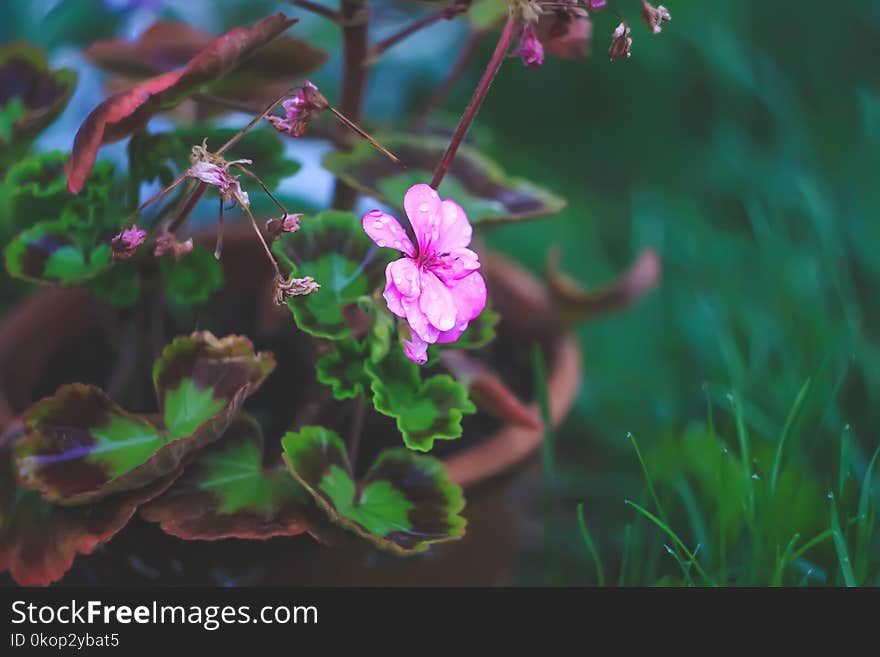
(530, 49)
(126, 242)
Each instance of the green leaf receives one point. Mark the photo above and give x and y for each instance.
(79, 446)
(227, 493)
(31, 98)
(192, 279)
(332, 248)
(37, 189)
(425, 410)
(39, 540)
(485, 15)
(48, 253)
(480, 332)
(120, 285)
(476, 183)
(404, 503)
(343, 369)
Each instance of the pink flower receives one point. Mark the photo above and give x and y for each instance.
(127, 241)
(299, 110)
(530, 49)
(219, 177)
(435, 287)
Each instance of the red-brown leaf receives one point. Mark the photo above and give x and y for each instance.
(130, 110)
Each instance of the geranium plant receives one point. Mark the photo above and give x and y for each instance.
(392, 308)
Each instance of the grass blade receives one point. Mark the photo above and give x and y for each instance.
(742, 435)
(678, 542)
(845, 443)
(786, 430)
(783, 561)
(849, 577)
(865, 520)
(591, 547)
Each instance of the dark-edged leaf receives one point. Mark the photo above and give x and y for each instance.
(168, 45)
(39, 93)
(130, 110)
(193, 278)
(404, 503)
(78, 446)
(343, 369)
(37, 189)
(425, 410)
(47, 253)
(476, 183)
(39, 540)
(332, 248)
(227, 493)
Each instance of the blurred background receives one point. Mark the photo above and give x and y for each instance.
(742, 144)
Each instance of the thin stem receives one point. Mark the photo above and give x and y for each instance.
(158, 195)
(458, 69)
(355, 18)
(479, 95)
(363, 134)
(447, 13)
(315, 8)
(218, 248)
(272, 260)
(357, 429)
(260, 182)
(259, 117)
(184, 213)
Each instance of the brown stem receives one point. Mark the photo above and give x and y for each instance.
(479, 95)
(315, 8)
(259, 117)
(458, 69)
(266, 248)
(447, 13)
(355, 18)
(360, 132)
(260, 182)
(218, 247)
(184, 213)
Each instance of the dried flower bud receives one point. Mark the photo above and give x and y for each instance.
(527, 12)
(167, 243)
(126, 242)
(654, 16)
(293, 287)
(289, 223)
(530, 49)
(213, 170)
(299, 110)
(621, 43)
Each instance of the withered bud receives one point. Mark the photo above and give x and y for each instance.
(293, 287)
(299, 110)
(167, 243)
(654, 17)
(289, 223)
(621, 43)
(126, 242)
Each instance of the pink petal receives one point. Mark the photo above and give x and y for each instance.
(416, 350)
(418, 321)
(393, 297)
(437, 302)
(422, 205)
(469, 295)
(455, 264)
(385, 230)
(406, 276)
(455, 229)
(452, 334)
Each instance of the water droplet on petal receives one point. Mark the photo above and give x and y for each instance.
(381, 242)
(384, 219)
(397, 244)
(378, 224)
(424, 207)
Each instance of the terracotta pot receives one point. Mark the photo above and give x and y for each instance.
(43, 324)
